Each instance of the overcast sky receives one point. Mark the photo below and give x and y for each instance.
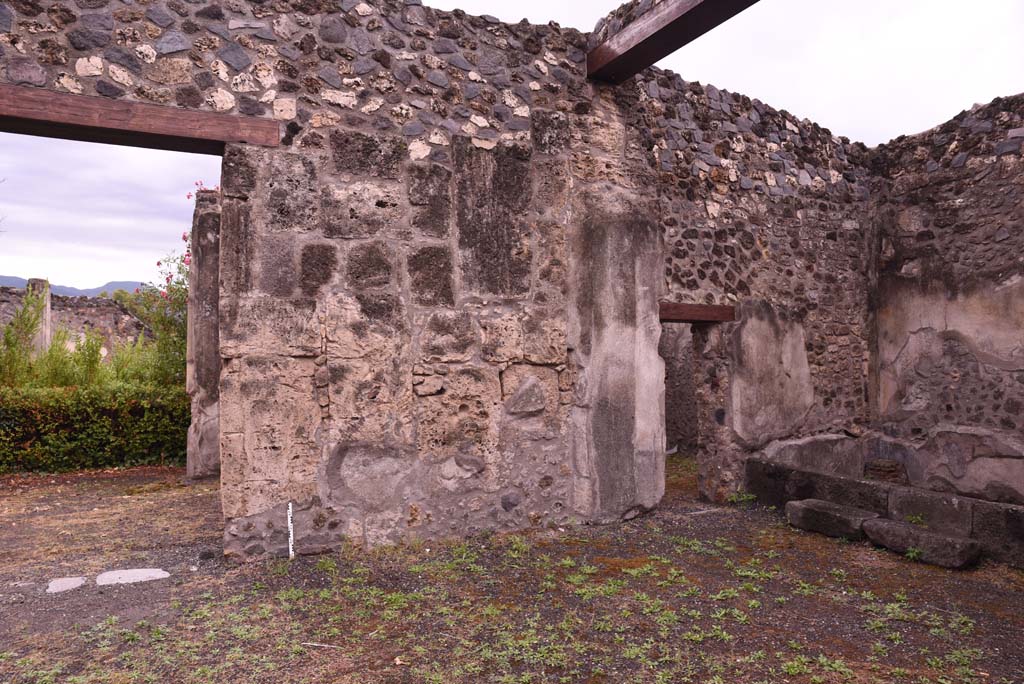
(84, 215)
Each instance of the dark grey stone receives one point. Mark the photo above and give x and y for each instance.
(414, 128)
(330, 76)
(828, 518)
(92, 32)
(438, 78)
(929, 547)
(6, 19)
(103, 21)
(460, 62)
(361, 42)
(124, 57)
(23, 71)
(289, 52)
(999, 528)
(510, 501)
(1011, 146)
(445, 46)
(529, 399)
(235, 56)
(364, 65)
(172, 42)
(107, 89)
(159, 16)
(943, 513)
(767, 482)
(333, 29)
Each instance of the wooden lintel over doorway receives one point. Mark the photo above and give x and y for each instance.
(671, 312)
(661, 31)
(98, 119)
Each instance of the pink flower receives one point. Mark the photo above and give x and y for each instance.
(158, 264)
(188, 196)
(188, 260)
(163, 293)
(184, 237)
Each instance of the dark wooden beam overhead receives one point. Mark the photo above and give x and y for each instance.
(670, 312)
(34, 111)
(657, 34)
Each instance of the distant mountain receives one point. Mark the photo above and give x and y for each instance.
(109, 288)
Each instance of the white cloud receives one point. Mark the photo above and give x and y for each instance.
(83, 214)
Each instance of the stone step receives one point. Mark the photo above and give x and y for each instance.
(816, 515)
(928, 547)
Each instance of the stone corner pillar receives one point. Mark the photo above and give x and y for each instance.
(44, 335)
(618, 420)
(203, 351)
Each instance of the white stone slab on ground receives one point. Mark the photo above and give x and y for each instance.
(60, 584)
(131, 576)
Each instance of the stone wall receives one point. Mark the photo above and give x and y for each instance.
(950, 303)
(438, 297)
(767, 212)
(78, 315)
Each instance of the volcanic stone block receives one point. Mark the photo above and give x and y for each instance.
(828, 518)
(236, 247)
(871, 496)
(430, 275)
(430, 190)
(369, 266)
(943, 513)
(767, 481)
(494, 190)
(319, 263)
(239, 171)
(291, 195)
(1000, 530)
(929, 547)
(367, 155)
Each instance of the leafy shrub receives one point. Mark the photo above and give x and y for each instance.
(60, 429)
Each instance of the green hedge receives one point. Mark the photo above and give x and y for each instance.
(60, 429)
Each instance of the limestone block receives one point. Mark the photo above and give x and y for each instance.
(770, 388)
(261, 325)
(447, 337)
(362, 209)
(464, 419)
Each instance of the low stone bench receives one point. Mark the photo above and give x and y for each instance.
(825, 517)
(997, 528)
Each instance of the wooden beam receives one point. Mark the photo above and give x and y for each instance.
(670, 312)
(661, 31)
(34, 111)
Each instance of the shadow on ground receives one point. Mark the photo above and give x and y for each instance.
(690, 593)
